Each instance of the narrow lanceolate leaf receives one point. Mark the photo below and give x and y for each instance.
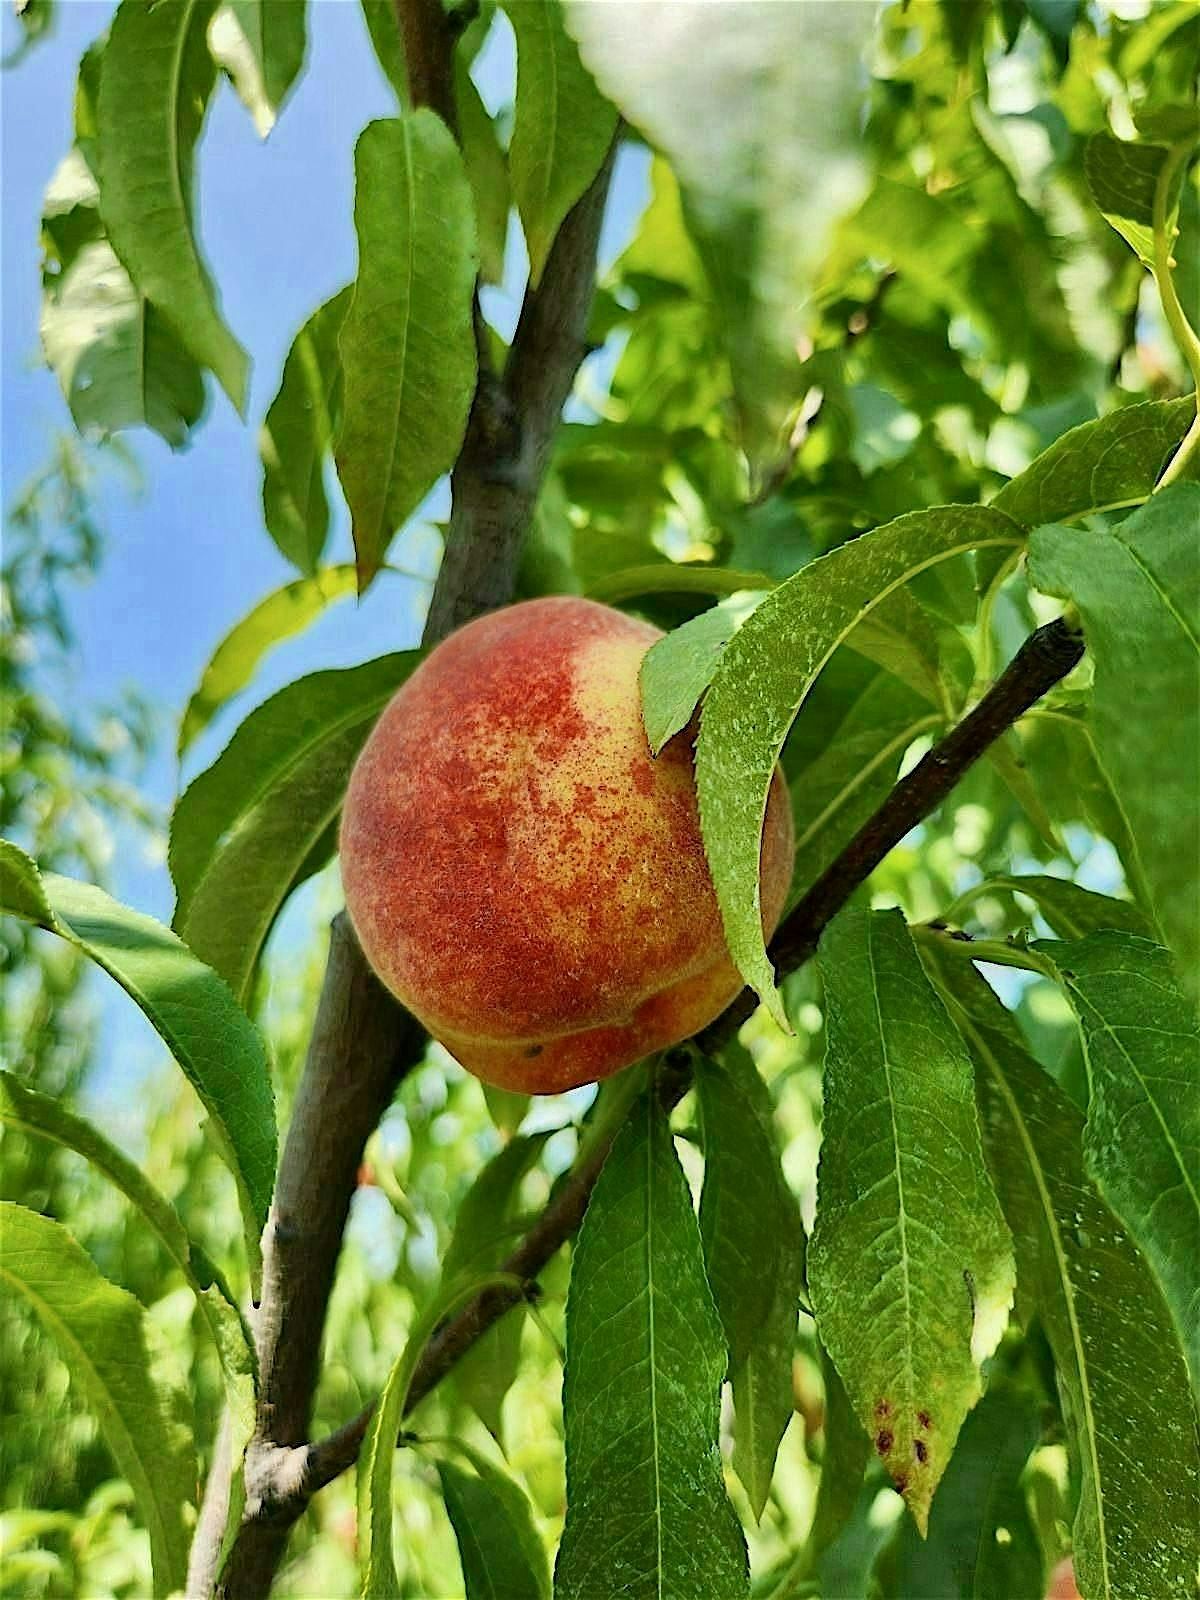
(764, 675)
(117, 360)
(910, 1265)
(298, 433)
(1137, 587)
(377, 1461)
(754, 1259)
(282, 614)
(1123, 177)
(677, 670)
(563, 125)
(260, 44)
(502, 1555)
(154, 91)
(244, 828)
(762, 192)
(119, 1372)
(190, 1007)
(487, 169)
(982, 1544)
(407, 344)
(484, 1233)
(647, 1513)
(1104, 465)
(1121, 1371)
(1141, 1043)
(1074, 912)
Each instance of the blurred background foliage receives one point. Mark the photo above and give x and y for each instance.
(974, 307)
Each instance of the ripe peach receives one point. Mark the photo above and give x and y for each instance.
(518, 869)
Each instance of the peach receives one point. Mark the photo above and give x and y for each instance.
(519, 870)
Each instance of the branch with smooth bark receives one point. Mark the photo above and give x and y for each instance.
(1043, 660)
(363, 1042)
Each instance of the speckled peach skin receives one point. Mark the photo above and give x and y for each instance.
(518, 869)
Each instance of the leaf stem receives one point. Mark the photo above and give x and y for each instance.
(1185, 334)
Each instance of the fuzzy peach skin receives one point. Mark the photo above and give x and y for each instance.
(521, 873)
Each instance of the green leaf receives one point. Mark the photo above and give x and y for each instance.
(484, 1233)
(298, 433)
(506, 1108)
(1137, 587)
(1072, 912)
(115, 1360)
(261, 45)
(408, 343)
(901, 635)
(1141, 1043)
(745, 1205)
(154, 91)
(244, 828)
(563, 125)
(502, 1555)
(982, 1544)
(214, 1042)
(1123, 177)
(377, 1460)
(40, 1114)
(673, 577)
(837, 777)
(1122, 1376)
(843, 1463)
(677, 670)
(910, 1265)
(284, 612)
(487, 169)
(380, 18)
(647, 1511)
(1106, 465)
(744, 1151)
(762, 679)
(117, 360)
(761, 192)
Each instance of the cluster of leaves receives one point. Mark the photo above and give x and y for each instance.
(888, 421)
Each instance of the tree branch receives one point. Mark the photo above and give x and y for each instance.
(1045, 658)
(363, 1042)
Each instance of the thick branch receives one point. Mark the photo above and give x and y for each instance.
(363, 1041)
(1045, 658)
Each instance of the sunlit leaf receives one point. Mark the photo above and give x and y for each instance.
(1072, 911)
(242, 830)
(154, 91)
(1104, 465)
(214, 1042)
(1122, 1376)
(1141, 1042)
(298, 433)
(764, 675)
(121, 1371)
(407, 344)
(232, 664)
(647, 1513)
(760, 192)
(261, 45)
(487, 168)
(502, 1556)
(843, 1463)
(910, 1265)
(1123, 177)
(677, 670)
(1137, 587)
(563, 125)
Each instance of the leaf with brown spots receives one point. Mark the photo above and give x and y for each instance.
(910, 1265)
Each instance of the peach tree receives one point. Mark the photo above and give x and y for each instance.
(883, 1252)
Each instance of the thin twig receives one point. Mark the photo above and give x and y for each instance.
(1043, 660)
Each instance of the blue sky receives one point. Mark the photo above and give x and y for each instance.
(188, 555)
